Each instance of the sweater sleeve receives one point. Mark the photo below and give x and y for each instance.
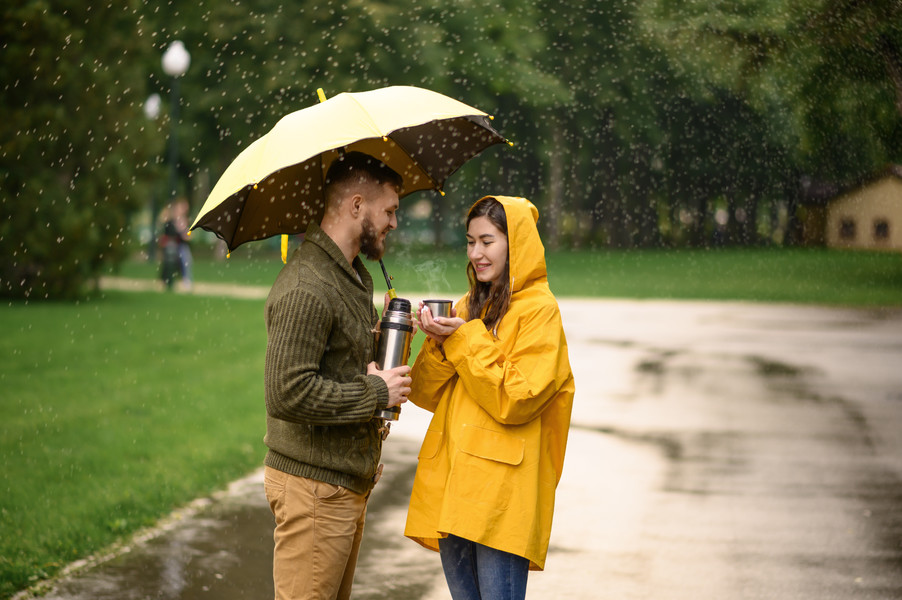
(513, 387)
(296, 391)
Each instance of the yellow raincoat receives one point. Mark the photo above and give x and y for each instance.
(492, 456)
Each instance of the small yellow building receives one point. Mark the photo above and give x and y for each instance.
(868, 216)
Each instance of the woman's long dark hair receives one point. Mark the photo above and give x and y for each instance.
(493, 297)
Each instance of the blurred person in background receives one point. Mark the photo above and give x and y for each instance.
(181, 221)
(175, 252)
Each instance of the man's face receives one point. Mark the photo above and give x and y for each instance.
(378, 218)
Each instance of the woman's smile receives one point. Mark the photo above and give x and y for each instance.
(486, 249)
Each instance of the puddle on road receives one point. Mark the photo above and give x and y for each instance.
(772, 368)
(223, 551)
(721, 468)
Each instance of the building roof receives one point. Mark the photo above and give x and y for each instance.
(820, 193)
(888, 171)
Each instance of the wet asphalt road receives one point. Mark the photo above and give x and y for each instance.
(718, 451)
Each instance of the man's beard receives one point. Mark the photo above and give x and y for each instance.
(369, 241)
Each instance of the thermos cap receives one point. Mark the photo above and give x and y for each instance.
(399, 305)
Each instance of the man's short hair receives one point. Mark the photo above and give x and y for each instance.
(357, 167)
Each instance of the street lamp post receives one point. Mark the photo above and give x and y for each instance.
(175, 63)
(152, 111)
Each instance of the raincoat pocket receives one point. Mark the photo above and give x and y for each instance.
(431, 443)
(493, 445)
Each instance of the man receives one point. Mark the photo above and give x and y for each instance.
(322, 386)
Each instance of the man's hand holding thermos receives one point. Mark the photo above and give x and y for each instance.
(397, 379)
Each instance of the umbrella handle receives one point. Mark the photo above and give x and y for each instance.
(391, 291)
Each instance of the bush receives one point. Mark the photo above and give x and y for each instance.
(75, 146)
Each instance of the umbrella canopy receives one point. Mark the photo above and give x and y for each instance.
(275, 186)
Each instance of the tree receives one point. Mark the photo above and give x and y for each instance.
(74, 147)
(250, 66)
(825, 74)
(602, 140)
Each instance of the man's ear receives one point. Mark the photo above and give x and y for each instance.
(356, 203)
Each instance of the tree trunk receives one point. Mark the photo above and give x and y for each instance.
(698, 232)
(555, 185)
(892, 57)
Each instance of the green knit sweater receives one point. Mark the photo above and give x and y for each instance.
(320, 403)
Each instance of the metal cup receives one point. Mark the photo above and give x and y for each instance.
(439, 308)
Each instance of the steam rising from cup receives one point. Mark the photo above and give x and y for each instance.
(432, 274)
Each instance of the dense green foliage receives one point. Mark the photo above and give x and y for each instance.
(73, 155)
(634, 122)
(827, 74)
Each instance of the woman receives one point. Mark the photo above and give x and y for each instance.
(497, 376)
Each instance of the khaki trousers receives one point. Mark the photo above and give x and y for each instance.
(317, 536)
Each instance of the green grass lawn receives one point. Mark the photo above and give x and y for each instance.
(807, 276)
(119, 408)
(115, 411)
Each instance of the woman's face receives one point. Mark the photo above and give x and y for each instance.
(486, 249)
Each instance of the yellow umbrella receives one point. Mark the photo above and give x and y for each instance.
(275, 185)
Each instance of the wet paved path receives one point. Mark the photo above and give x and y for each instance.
(718, 450)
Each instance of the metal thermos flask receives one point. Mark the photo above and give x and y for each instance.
(395, 331)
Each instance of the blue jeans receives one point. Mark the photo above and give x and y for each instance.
(477, 572)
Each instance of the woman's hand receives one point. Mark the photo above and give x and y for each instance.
(438, 328)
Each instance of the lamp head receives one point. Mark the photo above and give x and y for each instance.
(176, 59)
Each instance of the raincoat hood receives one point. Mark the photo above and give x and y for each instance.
(525, 250)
